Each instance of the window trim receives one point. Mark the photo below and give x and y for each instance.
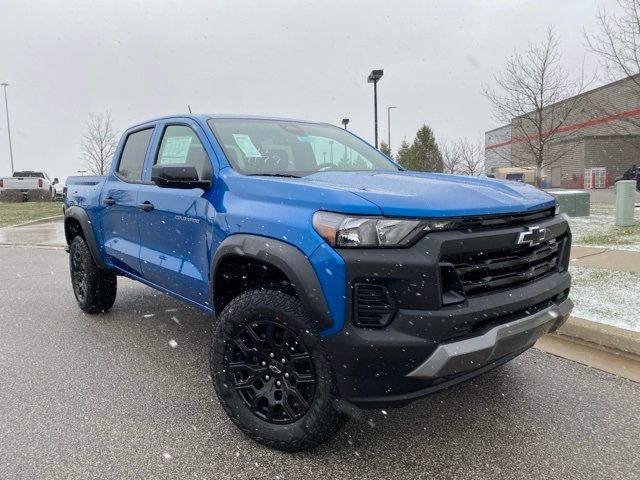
(151, 127)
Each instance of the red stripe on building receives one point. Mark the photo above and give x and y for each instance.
(569, 128)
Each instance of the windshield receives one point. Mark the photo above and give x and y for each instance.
(288, 148)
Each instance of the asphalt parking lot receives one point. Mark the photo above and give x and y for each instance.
(107, 396)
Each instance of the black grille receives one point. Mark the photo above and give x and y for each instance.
(484, 272)
(373, 306)
(493, 221)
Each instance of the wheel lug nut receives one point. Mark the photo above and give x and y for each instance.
(271, 355)
(286, 375)
(264, 364)
(284, 360)
(267, 377)
(278, 383)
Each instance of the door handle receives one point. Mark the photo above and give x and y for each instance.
(146, 206)
(109, 201)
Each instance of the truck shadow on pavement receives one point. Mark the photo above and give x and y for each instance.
(460, 412)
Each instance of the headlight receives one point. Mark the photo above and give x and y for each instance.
(355, 231)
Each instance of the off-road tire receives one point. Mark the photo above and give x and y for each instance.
(94, 288)
(322, 418)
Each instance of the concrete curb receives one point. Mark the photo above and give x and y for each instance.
(35, 222)
(614, 338)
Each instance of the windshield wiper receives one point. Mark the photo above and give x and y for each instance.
(290, 175)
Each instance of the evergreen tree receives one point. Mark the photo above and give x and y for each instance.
(384, 148)
(425, 154)
(404, 155)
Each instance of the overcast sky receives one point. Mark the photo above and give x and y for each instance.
(140, 59)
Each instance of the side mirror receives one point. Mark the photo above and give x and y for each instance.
(56, 181)
(178, 176)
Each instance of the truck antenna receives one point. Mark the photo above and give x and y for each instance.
(189, 107)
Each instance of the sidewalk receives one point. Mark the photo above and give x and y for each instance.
(47, 232)
(619, 260)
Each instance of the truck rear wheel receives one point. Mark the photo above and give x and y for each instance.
(271, 374)
(95, 289)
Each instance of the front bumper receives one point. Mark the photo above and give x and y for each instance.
(429, 345)
(461, 356)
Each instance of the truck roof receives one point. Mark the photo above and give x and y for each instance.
(207, 116)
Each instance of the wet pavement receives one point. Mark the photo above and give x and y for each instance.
(48, 232)
(106, 396)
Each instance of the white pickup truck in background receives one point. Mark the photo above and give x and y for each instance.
(32, 185)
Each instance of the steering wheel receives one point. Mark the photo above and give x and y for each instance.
(269, 160)
(323, 167)
(274, 161)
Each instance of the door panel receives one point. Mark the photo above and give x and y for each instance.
(176, 240)
(176, 234)
(120, 224)
(119, 203)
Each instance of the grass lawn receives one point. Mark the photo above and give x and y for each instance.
(606, 296)
(599, 230)
(15, 213)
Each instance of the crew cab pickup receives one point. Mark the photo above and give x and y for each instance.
(336, 278)
(29, 183)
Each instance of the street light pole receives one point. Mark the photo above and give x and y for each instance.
(345, 122)
(389, 127)
(6, 107)
(373, 77)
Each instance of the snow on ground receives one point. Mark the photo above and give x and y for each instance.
(606, 296)
(599, 230)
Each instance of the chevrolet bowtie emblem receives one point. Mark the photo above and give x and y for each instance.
(533, 236)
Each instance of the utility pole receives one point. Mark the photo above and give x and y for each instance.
(373, 77)
(6, 107)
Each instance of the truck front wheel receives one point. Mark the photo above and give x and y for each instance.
(271, 374)
(95, 289)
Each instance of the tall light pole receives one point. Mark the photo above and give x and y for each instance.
(373, 77)
(6, 107)
(389, 127)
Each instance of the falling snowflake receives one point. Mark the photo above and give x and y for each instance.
(173, 343)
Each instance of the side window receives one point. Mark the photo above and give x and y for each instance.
(181, 145)
(132, 158)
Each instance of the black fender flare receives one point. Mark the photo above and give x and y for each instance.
(78, 214)
(288, 259)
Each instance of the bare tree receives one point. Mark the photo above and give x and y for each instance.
(462, 157)
(99, 143)
(618, 41)
(537, 96)
(450, 157)
(471, 157)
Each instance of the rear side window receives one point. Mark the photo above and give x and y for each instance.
(133, 154)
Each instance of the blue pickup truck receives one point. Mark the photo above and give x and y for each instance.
(335, 277)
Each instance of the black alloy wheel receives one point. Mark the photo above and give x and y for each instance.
(272, 372)
(79, 275)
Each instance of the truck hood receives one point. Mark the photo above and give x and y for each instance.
(418, 194)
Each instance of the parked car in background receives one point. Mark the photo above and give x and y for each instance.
(516, 174)
(34, 186)
(58, 189)
(632, 174)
